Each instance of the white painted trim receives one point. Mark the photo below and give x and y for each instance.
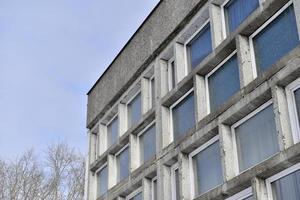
(170, 78)
(241, 195)
(278, 176)
(96, 176)
(191, 155)
(240, 122)
(252, 52)
(292, 107)
(174, 167)
(171, 111)
(152, 187)
(134, 193)
(211, 73)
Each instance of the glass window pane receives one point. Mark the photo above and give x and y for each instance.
(154, 190)
(183, 116)
(236, 11)
(113, 131)
(249, 198)
(207, 168)
(102, 182)
(123, 164)
(223, 83)
(200, 46)
(139, 196)
(152, 92)
(279, 37)
(173, 72)
(177, 184)
(148, 144)
(134, 110)
(297, 100)
(287, 188)
(256, 139)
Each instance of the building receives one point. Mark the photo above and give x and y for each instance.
(202, 103)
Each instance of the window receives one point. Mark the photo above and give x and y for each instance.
(206, 167)
(285, 185)
(256, 137)
(175, 182)
(147, 142)
(154, 189)
(113, 130)
(223, 82)
(200, 46)
(278, 35)
(183, 115)
(136, 195)
(293, 97)
(243, 195)
(171, 73)
(236, 11)
(102, 180)
(134, 110)
(123, 163)
(152, 91)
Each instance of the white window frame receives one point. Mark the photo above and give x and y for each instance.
(134, 193)
(152, 104)
(188, 68)
(117, 166)
(174, 167)
(278, 176)
(237, 124)
(192, 155)
(210, 74)
(108, 124)
(138, 140)
(139, 92)
(97, 183)
(292, 107)
(152, 187)
(170, 71)
(171, 111)
(242, 195)
(252, 52)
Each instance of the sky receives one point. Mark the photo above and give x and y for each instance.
(51, 54)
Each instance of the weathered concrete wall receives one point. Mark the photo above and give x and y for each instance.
(168, 18)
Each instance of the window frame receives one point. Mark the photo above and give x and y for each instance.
(241, 195)
(96, 185)
(139, 92)
(152, 104)
(117, 166)
(210, 74)
(174, 167)
(134, 193)
(292, 107)
(278, 176)
(261, 28)
(171, 111)
(188, 67)
(108, 124)
(193, 154)
(152, 187)
(237, 124)
(170, 72)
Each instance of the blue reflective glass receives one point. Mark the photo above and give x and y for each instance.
(102, 182)
(123, 164)
(276, 40)
(148, 144)
(223, 83)
(200, 46)
(113, 131)
(208, 168)
(183, 116)
(134, 110)
(236, 11)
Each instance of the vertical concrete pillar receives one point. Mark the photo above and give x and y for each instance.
(134, 152)
(122, 118)
(184, 176)
(112, 170)
(259, 189)
(180, 62)
(167, 137)
(297, 13)
(217, 32)
(147, 189)
(282, 118)
(103, 139)
(246, 70)
(93, 147)
(229, 163)
(162, 77)
(145, 95)
(163, 182)
(200, 97)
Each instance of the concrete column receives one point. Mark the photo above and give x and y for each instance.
(246, 70)
(134, 153)
(229, 163)
(297, 13)
(93, 147)
(282, 119)
(147, 191)
(103, 139)
(162, 77)
(180, 62)
(184, 176)
(145, 95)
(123, 125)
(112, 170)
(163, 182)
(165, 127)
(217, 31)
(259, 189)
(200, 97)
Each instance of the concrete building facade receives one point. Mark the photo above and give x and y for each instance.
(202, 103)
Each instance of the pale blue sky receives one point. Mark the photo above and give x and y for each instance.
(51, 53)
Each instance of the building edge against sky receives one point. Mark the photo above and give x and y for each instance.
(203, 102)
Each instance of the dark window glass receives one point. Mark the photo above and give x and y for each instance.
(236, 11)
(148, 144)
(134, 110)
(256, 138)
(249, 198)
(207, 168)
(177, 184)
(223, 83)
(123, 164)
(152, 92)
(102, 181)
(154, 190)
(276, 40)
(287, 188)
(200, 46)
(183, 116)
(297, 100)
(113, 131)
